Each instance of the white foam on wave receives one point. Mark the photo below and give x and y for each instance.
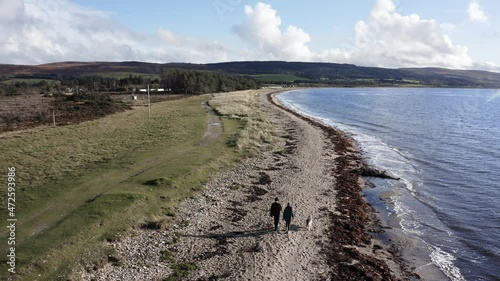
(444, 261)
(290, 105)
(377, 153)
(407, 221)
(383, 156)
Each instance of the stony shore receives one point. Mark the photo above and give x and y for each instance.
(225, 232)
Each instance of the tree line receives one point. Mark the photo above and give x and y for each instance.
(202, 82)
(180, 81)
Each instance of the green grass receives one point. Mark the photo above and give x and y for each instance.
(80, 185)
(411, 81)
(277, 77)
(181, 270)
(62, 239)
(167, 255)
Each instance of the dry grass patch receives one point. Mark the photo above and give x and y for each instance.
(259, 132)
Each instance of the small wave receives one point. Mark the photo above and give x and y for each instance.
(407, 221)
(288, 104)
(444, 261)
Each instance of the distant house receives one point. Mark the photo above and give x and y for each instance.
(68, 92)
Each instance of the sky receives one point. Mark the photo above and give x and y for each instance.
(458, 34)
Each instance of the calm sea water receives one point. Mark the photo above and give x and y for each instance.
(445, 146)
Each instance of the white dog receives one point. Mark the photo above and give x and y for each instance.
(309, 222)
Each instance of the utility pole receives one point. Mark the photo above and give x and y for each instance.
(149, 104)
(149, 99)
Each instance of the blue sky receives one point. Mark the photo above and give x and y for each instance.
(461, 34)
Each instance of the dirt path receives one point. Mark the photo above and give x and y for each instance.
(227, 231)
(214, 127)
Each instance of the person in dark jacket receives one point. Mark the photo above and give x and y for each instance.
(276, 212)
(288, 216)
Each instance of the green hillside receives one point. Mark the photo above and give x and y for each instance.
(332, 74)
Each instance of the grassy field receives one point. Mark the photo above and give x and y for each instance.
(277, 77)
(79, 186)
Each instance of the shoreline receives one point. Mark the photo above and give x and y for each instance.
(225, 233)
(357, 223)
(413, 254)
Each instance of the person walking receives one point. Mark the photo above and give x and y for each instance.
(288, 216)
(276, 212)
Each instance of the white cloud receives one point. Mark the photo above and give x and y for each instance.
(262, 27)
(390, 39)
(41, 31)
(9, 10)
(385, 39)
(489, 66)
(475, 12)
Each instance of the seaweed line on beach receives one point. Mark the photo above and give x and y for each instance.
(354, 217)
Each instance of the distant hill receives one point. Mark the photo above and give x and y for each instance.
(271, 72)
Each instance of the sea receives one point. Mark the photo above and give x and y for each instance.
(444, 145)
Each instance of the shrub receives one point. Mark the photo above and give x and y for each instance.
(167, 255)
(232, 141)
(40, 116)
(160, 182)
(181, 270)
